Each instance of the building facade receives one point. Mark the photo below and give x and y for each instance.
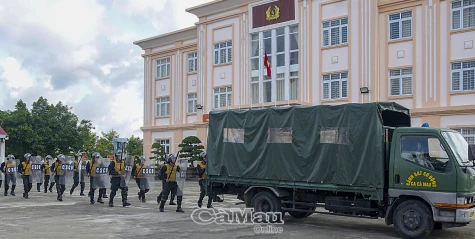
(418, 53)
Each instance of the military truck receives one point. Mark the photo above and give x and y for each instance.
(358, 160)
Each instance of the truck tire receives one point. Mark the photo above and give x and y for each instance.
(413, 219)
(266, 202)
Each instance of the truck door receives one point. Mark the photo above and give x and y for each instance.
(421, 165)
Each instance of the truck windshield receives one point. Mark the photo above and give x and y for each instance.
(459, 146)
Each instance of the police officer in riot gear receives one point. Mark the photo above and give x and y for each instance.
(202, 181)
(45, 168)
(140, 178)
(91, 172)
(169, 171)
(9, 169)
(117, 172)
(59, 177)
(163, 178)
(25, 170)
(76, 175)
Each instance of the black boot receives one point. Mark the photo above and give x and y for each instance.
(171, 200)
(159, 198)
(210, 200)
(104, 194)
(13, 190)
(162, 205)
(91, 197)
(143, 197)
(46, 187)
(51, 187)
(6, 191)
(111, 202)
(83, 185)
(200, 200)
(38, 187)
(124, 198)
(178, 207)
(140, 195)
(99, 199)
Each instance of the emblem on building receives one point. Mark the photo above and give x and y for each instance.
(272, 13)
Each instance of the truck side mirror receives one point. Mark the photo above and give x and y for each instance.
(471, 152)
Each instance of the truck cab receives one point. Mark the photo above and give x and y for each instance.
(430, 171)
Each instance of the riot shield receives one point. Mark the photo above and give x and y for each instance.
(67, 171)
(51, 170)
(147, 170)
(82, 170)
(102, 178)
(127, 173)
(11, 172)
(181, 176)
(36, 172)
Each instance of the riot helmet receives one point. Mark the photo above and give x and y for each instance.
(27, 156)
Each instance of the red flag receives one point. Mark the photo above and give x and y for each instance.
(267, 64)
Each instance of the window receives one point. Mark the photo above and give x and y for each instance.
(335, 32)
(223, 53)
(400, 82)
(222, 97)
(163, 68)
(463, 76)
(165, 143)
(468, 134)
(335, 86)
(400, 25)
(335, 136)
(162, 106)
(463, 14)
(231, 135)
(279, 136)
(282, 48)
(191, 103)
(192, 62)
(425, 151)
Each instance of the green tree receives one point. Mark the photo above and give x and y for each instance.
(135, 146)
(105, 145)
(158, 152)
(87, 139)
(18, 125)
(191, 148)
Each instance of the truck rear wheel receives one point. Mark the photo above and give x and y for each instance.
(413, 219)
(266, 202)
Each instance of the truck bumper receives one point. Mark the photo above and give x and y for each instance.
(465, 215)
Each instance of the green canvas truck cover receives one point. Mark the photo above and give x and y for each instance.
(339, 145)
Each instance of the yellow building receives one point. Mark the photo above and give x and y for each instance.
(419, 53)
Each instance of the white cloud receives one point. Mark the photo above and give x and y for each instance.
(15, 77)
(77, 22)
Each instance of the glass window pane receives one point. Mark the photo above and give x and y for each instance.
(344, 35)
(455, 81)
(255, 92)
(281, 60)
(222, 56)
(456, 19)
(280, 44)
(267, 34)
(229, 99)
(216, 101)
(344, 89)
(230, 56)
(255, 36)
(294, 41)
(279, 31)
(294, 58)
(267, 91)
(326, 90)
(335, 89)
(394, 29)
(407, 85)
(335, 36)
(326, 41)
(254, 48)
(222, 100)
(294, 88)
(268, 45)
(406, 28)
(255, 64)
(395, 89)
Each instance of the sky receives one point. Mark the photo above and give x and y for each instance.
(82, 54)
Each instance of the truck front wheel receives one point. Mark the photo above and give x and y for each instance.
(267, 202)
(413, 219)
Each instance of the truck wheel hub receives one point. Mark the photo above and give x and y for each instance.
(412, 219)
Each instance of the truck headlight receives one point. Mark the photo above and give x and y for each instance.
(462, 201)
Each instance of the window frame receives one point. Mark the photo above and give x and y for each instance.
(340, 32)
(194, 103)
(228, 92)
(461, 131)
(165, 145)
(193, 57)
(400, 151)
(460, 9)
(229, 52)
(400, 77)
(340, 80)
(162, 63)
(460, 73)
(159, 104)
(258, 77)
(400, 20)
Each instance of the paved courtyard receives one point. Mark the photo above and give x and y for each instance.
(41, 216)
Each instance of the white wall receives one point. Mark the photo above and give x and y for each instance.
(456, 120)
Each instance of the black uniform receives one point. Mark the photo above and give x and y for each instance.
(45, 168)
(91, 171)
(162, 177)
(25, 170)
(60, 188)
(117, 170)
(76, 178)
(171, 186)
